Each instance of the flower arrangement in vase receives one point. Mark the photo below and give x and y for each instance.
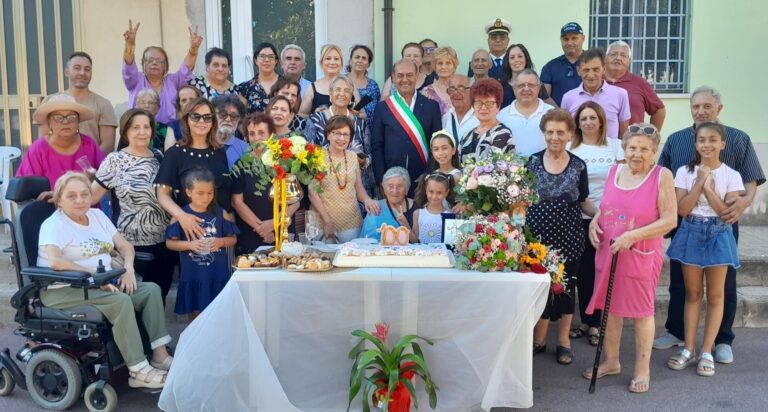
(390, 383)
(489, 244)
(283, 161)
(497, 183)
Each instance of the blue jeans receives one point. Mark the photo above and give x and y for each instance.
(675, 323)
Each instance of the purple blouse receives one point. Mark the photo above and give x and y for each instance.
(136, 81)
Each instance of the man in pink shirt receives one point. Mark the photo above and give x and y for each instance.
(614, 100)
(642, 97)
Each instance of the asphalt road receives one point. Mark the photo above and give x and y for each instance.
(740, 386)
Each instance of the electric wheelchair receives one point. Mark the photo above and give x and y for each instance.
(69, 352)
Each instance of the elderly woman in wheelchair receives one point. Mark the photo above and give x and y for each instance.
(75, 238)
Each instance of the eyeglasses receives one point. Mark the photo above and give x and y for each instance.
(452, 89)
(266, 57)
(224, 116)
(490, 104)
(498, 36)
(523, 86)
(429, 49)
(158, 60)
(60, 118)
(197, 117)
(337, 133)
(646, 130)
(345, 90)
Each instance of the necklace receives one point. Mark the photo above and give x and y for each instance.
(335, 170)
(200, 152)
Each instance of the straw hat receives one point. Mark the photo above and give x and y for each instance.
(61, 101)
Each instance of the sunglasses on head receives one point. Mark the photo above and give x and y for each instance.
(196, 117)
(646, 130)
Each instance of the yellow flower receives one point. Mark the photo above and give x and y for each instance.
(535, 254)
(302, 156)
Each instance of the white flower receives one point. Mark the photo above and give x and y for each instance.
(266, 158)
(298, 144)
(485, 180)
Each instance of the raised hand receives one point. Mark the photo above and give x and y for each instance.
(195, 40)
(130, 34)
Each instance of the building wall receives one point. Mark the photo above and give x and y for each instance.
(163, 23)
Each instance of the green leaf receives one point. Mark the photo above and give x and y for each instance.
(408, 385)
(367, 358)
(394, 377)
(365, 335)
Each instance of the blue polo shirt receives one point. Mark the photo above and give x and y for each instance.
(561, 75)
(235, 148)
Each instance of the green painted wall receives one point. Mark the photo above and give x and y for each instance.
(722, 45)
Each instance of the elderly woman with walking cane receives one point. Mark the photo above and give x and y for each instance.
(638, 208)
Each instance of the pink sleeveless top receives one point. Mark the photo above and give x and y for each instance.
(637, 269)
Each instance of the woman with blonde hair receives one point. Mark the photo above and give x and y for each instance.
(319, 95)
(445, 62)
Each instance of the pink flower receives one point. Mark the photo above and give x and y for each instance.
(513, 190)
(514, 168)
(471, 183)
(382, 330)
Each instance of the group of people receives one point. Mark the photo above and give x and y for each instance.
(395, 157)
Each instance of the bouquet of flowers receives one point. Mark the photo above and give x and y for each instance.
(281, 156)
(538, 258)
(496, 184)
(489, 244)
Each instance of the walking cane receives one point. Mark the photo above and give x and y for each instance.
(603, 321)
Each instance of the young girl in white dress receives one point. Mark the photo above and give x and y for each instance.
(432, 193)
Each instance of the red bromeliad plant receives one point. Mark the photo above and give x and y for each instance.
(390, 383)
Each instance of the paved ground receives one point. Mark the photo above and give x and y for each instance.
(740, 386)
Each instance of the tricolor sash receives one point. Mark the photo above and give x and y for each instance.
(409, 123)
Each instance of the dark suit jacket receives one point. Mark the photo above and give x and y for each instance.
(390, 144)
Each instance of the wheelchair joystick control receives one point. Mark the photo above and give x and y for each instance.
(84, 333)
(100, 268)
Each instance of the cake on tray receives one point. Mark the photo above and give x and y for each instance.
(434, 255)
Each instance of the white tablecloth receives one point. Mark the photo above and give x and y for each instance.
(278, 341)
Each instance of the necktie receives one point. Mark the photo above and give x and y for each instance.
(497, 62)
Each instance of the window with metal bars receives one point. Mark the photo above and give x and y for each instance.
(657, 32)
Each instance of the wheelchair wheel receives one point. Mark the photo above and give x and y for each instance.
(53, 379)
(6, 382)
(106, 401)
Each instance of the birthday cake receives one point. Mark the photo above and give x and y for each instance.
(375, 255)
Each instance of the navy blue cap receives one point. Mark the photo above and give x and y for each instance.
(571, 27)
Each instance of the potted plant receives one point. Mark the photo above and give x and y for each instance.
(385, 375)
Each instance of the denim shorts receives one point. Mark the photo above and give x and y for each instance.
(704, 241)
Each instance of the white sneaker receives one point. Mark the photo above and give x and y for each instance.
(667, 341)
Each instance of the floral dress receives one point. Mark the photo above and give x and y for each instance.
(254, 93)
(497, 138)
(200, 83)
(371, 89)
(556, 221)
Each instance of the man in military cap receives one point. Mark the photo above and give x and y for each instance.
(498, 41)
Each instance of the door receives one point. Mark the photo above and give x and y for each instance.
(37, 37)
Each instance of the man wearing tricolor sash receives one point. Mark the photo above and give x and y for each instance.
(402, 126)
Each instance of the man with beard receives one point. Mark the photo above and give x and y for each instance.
(229, 110)
(101, 128)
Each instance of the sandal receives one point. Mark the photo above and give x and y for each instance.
(594, 338)
(577, 333)
(165, 365)
(148, 377)
(539, 348)
(587, 374)
(639, 385)
(564, 355)
(706, 366)
(681, 360)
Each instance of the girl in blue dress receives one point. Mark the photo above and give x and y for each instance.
(205, 263)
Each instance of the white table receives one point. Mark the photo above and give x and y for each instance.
(278, 341)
